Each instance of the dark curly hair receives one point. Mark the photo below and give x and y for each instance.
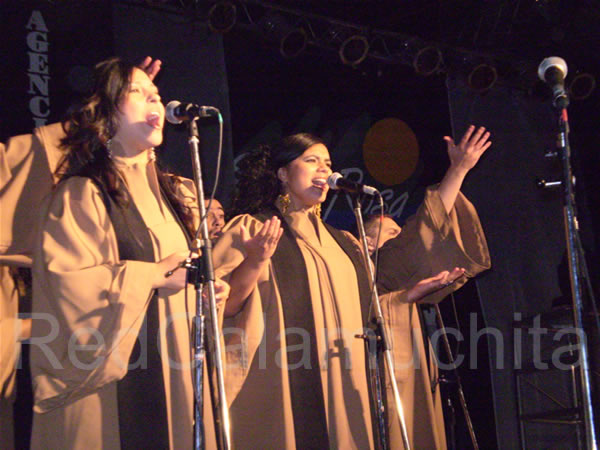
(257, 185)
(91, 123)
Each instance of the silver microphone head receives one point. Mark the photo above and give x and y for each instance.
(170, 112)
(332, 180)
(552, 61)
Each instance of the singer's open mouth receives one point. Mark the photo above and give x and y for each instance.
(153, 119)
(320, 183)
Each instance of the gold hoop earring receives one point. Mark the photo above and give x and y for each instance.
(318, 210)
(284, 202)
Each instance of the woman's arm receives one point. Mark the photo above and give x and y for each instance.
(259, 250)
(463, 157)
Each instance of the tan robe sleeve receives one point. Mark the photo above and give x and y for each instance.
(25, 178)
(433, 241)
(243, 332)
(88, 307)
(26, 166)
(9, 328)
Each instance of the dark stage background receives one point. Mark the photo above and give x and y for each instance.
(384, 126)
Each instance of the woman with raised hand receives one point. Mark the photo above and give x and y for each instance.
(111, 354)
(295, 372)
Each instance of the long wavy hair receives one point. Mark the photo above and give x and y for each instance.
(88, 127)
(257, 186)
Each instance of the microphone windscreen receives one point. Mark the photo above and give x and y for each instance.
(333, 179)
(170, 114)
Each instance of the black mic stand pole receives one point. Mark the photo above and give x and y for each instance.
(461, 393)
(379, 344)
(575, 269)
(205, 265)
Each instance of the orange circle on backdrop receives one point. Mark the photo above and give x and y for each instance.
(390, 151)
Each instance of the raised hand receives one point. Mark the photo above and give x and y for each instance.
(258, 251)
(430, 285)
(473, 144)
(151, 67)
(262, 246)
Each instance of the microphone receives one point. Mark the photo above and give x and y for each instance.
(177, 112)
(337, 181)
(553, 71)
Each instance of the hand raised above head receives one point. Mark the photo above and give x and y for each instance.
(466, 153)
(262, 246)
(150, 66)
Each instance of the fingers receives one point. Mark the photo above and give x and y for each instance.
(150, 67)
(279, 234)
(145, 63)
(467, 135)
(480, 140)
(449, 141)
(452, 276)
(472, 137)
(269, 231)
(262, 246)
(222, 289)
(477, 136)
(486, 145)
(244, 234)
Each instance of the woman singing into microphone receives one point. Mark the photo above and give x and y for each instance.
(113, 367)
(295, 372)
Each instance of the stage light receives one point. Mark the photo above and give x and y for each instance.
(482, 77)
(222, 17)
(427, 60)
(354, 50)
(292, 39)
(293, 43)
(581, 86)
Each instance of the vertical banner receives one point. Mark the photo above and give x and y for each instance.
(50, 47)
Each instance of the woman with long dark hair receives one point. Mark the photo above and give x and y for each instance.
(113, 367)
(296, 373)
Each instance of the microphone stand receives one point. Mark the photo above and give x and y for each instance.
(379, 344)
(204, 265)
(461, 394)
(577, 265)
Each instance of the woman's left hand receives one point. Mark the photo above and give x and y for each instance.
(465, 154)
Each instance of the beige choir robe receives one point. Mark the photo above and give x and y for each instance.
(256, 359)
(448, 240)
(90, 307)
(27, 163)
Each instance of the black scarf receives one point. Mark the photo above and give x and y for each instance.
(310, 423)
